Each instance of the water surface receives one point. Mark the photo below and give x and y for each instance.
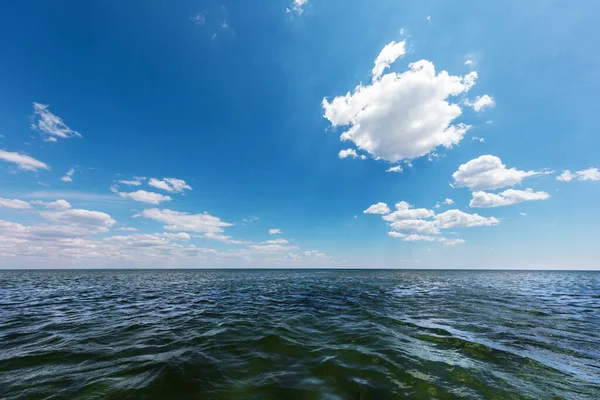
(290, 334)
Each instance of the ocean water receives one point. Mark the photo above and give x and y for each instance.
(292, 334)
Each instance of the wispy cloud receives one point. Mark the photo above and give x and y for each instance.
(50, 124)
(23, 161)
(199, 18)
(73, 195)
(172, 185)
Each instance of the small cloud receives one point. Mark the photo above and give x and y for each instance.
(429, 18)
(172, 185)
(489, 121)
(69, 176)
(397, 168)
(50, 124)
(380, 208)
(481, 102)
(478, 139)
(275, 231)
(297, 7)
(224, 24)
(469, 62)
(523, 214)
(146, 197)
(199, 19)
(590, 174)
(132, 182)
(449, 201)
(347, 153)
(249, 220)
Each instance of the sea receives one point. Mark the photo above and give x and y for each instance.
(299, 334)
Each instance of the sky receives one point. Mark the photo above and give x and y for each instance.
(299, 133)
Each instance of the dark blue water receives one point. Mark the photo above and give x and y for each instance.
(315, 334)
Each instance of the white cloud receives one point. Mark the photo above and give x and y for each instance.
(590, 174)
(506, 198)
(451, 242)
(347, 153)
(182, 221)
(412, 237)
(469, 62)
(172, 185)
(51, 124)
(15, 204)
(297, 6)
(387, 56)
(457, 218)
(397, 168)
(132, 182)
(481, 102)
(425, 238)
(24, 162)
(402, 116)
(406, 211)
(478, 139)
(449, 201)
(183, 236)
(487, 172)
(308, 256)
(415, 226)
(69, 176)
(223, 238)
(379, 208)
(523, 214)
(58, 205)
(275, 231)
(566, 176)
(429, 18)
(92, 221)
(276, 241)
(271, 248)
(68, 243)
(145, 197)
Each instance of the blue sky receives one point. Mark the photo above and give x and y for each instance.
(230, 119)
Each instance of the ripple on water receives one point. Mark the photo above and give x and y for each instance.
(260, 334)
